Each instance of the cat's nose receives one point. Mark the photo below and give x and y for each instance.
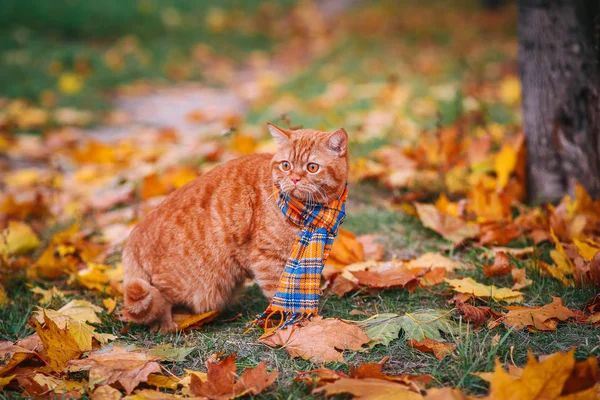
(295, 179)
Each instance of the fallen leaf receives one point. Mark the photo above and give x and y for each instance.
(499, 233)
(502, 266)
(434, 277)
(346, 250)
(476, 315)
(439, 349)
(445, 393)
(375, 370)
(470, 286)
(371, 249)
(434, 260)
(320, 340)
(118, 365)
(48, 294)
(3, 296)
(341, 285)
(12, 355)
(106, 393)
(163, 382)
(100, 278)
(512, 251)
(221, 380)
(5, 380)
(191, 321)
(545, 379)
(450, 227)
(110, 304)
(520, 278)
(418, 325)
(541, 318)
(559, 256)
(75, 316)
(387, 275)
(59, 344)
(554, 272)
(166, 352)
(382, 328)
(587, 251)
(369, 389)
(59, 386)
(593, 305)
(18, 239)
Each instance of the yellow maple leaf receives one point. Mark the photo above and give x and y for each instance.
(560, 257)
(585, 250)
(59, 386)
(70, 83)
(110, 304)
(3, 296)
(504, 165)
(510, 90)
(163, 382)
(59, 344)
(47, 294)
(470, 286)
(18, 239)
(100, 277)
(74, 317)
(556, 376)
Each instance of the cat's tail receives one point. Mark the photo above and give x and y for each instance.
(144, 304)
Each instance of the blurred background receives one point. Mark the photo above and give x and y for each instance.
(114, 94)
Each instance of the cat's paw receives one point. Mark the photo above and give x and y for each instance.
(166, 327)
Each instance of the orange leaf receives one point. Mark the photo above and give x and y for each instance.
(369, 389)
(556, 376)
(499, 233)
(346, 250)
(541, 318)
(320, 340)
(450, 227)
(434, 277)
(372, 250)
(396, 275)
(439, 349)
(187, 321)
(520, 278)
(475, 315)
(502, 266)
(129, 368)
(152, 186)
(221, 380)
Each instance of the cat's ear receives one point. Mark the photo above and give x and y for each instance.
(337, 142)
(281, 136)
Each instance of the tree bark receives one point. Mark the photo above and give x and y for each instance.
(559, 64)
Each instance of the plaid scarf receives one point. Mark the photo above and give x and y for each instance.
(297, 295)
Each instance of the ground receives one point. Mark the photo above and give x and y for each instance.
(392, 75)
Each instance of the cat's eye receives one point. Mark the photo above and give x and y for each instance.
(285, 166)
(312, 167)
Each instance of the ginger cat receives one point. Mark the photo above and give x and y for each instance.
(200, 244)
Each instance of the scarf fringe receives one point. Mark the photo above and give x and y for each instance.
(286, 319)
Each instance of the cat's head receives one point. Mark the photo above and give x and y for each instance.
(310, 165)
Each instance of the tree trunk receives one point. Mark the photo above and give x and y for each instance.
(559, 64)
